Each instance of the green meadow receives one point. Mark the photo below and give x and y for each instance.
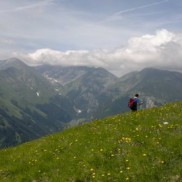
(143, 146)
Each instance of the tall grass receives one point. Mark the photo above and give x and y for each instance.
(143, 146)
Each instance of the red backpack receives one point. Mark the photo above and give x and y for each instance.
(131, 102)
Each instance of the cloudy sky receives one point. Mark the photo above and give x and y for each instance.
(119, 35)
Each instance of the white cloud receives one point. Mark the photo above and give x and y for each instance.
(147, 48)
(151, 41)
(163, 49)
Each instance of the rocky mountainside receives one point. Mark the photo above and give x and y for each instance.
(87, 88)
(62, 74)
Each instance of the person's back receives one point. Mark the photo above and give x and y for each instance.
(136, 103)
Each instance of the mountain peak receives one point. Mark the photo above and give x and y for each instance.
(11, 62)
(13, 59)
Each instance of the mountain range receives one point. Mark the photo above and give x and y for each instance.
(36, 101)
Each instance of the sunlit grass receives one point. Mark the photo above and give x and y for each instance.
(142, 146)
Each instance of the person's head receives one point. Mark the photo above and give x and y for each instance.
(136, 95)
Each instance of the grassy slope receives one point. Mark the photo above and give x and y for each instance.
(142, 146)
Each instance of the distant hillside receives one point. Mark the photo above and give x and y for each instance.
(162, 84)
(156, 87)
(29, 105)
(141, 146)
(96, 93)
(89, 91)
(86, 87)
